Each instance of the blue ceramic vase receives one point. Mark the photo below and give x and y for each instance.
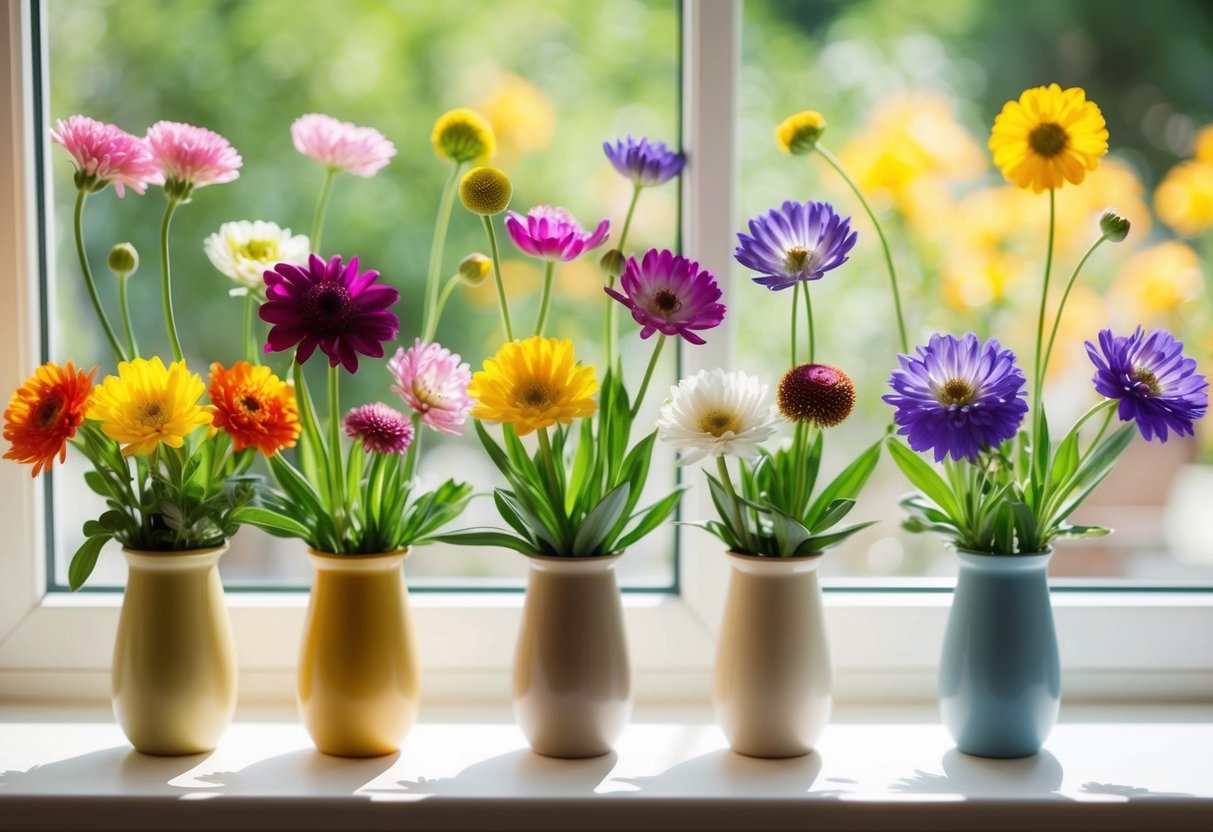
(1000, 676)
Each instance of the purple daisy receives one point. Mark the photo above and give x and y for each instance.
(552, 234)
(798, 241)
(330, 306)
(646, 163)
(382, 429)
(1157, 386)
(670, 294)
(958, 397)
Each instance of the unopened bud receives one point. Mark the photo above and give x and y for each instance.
(123, 259)
(1114, 226)
(612, 262)
(474, 269)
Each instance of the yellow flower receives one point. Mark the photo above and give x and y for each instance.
(485, 191)
(146, 404)
(533, 384)
(1157, 280)
(1184, 199)
(798, 134)
(463, 136)
(1048, 137)
(1204, 144)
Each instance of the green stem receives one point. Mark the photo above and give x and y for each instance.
(442, 299)
(81, 195)
(307, 415)
(1039, 441)
(501, 301)
(612, 312)
(131, 345)
(410, 461)
(627, 221)
(251, 353)
(322, 205)
(884, 243)
(648, 376)
(336, 474)
(808, 319)
(795, 325)
(166, 281)
(546, 299)
(1044, 365)
(433, 306)
(553, 482)
(743, 530)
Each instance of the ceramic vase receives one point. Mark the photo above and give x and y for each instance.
(174, 671)
(773, 676)
(359, 675)
(1000, 676)
(572, 678)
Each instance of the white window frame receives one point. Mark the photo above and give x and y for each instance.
(1115, 645)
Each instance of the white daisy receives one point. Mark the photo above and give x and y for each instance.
(244, 250)
(717, 413)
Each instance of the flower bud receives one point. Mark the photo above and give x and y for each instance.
(485, 191)
(612, 262)
(463, 136)
(798, 134)
(123, 259)
(1114, 226)
(817, 394)
(474, 269)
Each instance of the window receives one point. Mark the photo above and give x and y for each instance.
(1115, 645)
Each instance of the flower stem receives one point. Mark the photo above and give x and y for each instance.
(612, 320)
(795, 319)
(553, 483)
(743, 531)
(336, 474)
(1039, 451)
(433, 305)
(808, 319)
(131, 345)
(442, 299)
(166, 281)
(884, 244)
(322, 205)
(546, 300)
(81, 195)
(307, 416)
(251, 353)
(1044, 364)
(501, 301)
(410, 461)
(648, 376)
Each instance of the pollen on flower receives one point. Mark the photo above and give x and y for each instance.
(956, 391)
(485, 191)
(1048, 139)
(535, 395)
(1144, 377)
(718, 422)
(817, 394)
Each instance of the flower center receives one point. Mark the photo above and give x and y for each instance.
(262, 251)
(48, 411)
(328, 308)
(718, 422)
(427, 395)
(666, 301)
(1048, 139)
(798, 259)
(956, 391)
(250, 404)
(152, 416)
(536, 395)
(1147, 379)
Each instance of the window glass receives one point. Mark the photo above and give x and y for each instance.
(556, 78)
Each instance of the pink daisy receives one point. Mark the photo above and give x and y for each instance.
(103, 154)
(433, 382)
(552, 234)
(382, 429)
(340, 145)
(189, 157)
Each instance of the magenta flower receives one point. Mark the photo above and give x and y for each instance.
(670, 294)
(433, 382)
(381, 429)
(103, 154)
(329, 306)
(189, 157)
(551, 234)
(340, 145)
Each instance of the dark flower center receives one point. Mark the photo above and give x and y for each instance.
(1048, 139)
(666, 301)
(48, 411)
(798, 258)
(1147, 379)
(250, 404)
(956, 391)
(718, 422)
(328, 308)
(152, 416)
(536, 395)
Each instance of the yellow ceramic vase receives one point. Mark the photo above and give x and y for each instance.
(359, 679)
(174, 672)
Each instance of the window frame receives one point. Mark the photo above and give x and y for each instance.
(1116, 645)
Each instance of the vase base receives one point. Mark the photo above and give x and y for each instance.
(772, 754)
(173, 751)
(999, 753)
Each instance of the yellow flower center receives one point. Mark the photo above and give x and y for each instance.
(718, 422)
(48, 411)
(152, 416)
(262, 251)
(536, 395)
(1143, 376)
(798, 258)
(666, 301)
(956, 391)
(1048, 139)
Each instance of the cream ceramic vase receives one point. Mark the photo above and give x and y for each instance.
(773, 673)
(572, 677)
(359, 685)
(174, 672)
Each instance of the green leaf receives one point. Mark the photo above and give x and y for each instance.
(297, 488)
(821, 542)
(1092, 472)
(1025, 527)
(1068, 531)
(1065, 463)
(85, 560)
(488, 537)
(650, 519)
(847, 485)
(276, 524)
(836, 510)
(593, 535)
(925, 478)
(789, 533)
(98, 484)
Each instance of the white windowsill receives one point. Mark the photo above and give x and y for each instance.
(1111, 768)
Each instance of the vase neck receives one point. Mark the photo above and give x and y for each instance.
(574, 565)
(168, 561)
(384, 562)
(766, 565)
(1004, 564)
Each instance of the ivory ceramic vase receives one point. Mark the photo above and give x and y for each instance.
(359, 677)
(572, 678)
(1000, 676)
(773, 678)
(174, 671)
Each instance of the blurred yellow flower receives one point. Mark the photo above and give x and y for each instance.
(533, 384)
(1184, 199)
(973, 279)
(1048, 137)
(147, 403)
(1156, 281)
(1114, 185)
(1204, 144)
(798, 133)
(522, 116)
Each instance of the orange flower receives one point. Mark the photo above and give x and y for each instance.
(254, 407)
(45, 412)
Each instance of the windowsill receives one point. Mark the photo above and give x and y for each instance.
(1125, 767)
